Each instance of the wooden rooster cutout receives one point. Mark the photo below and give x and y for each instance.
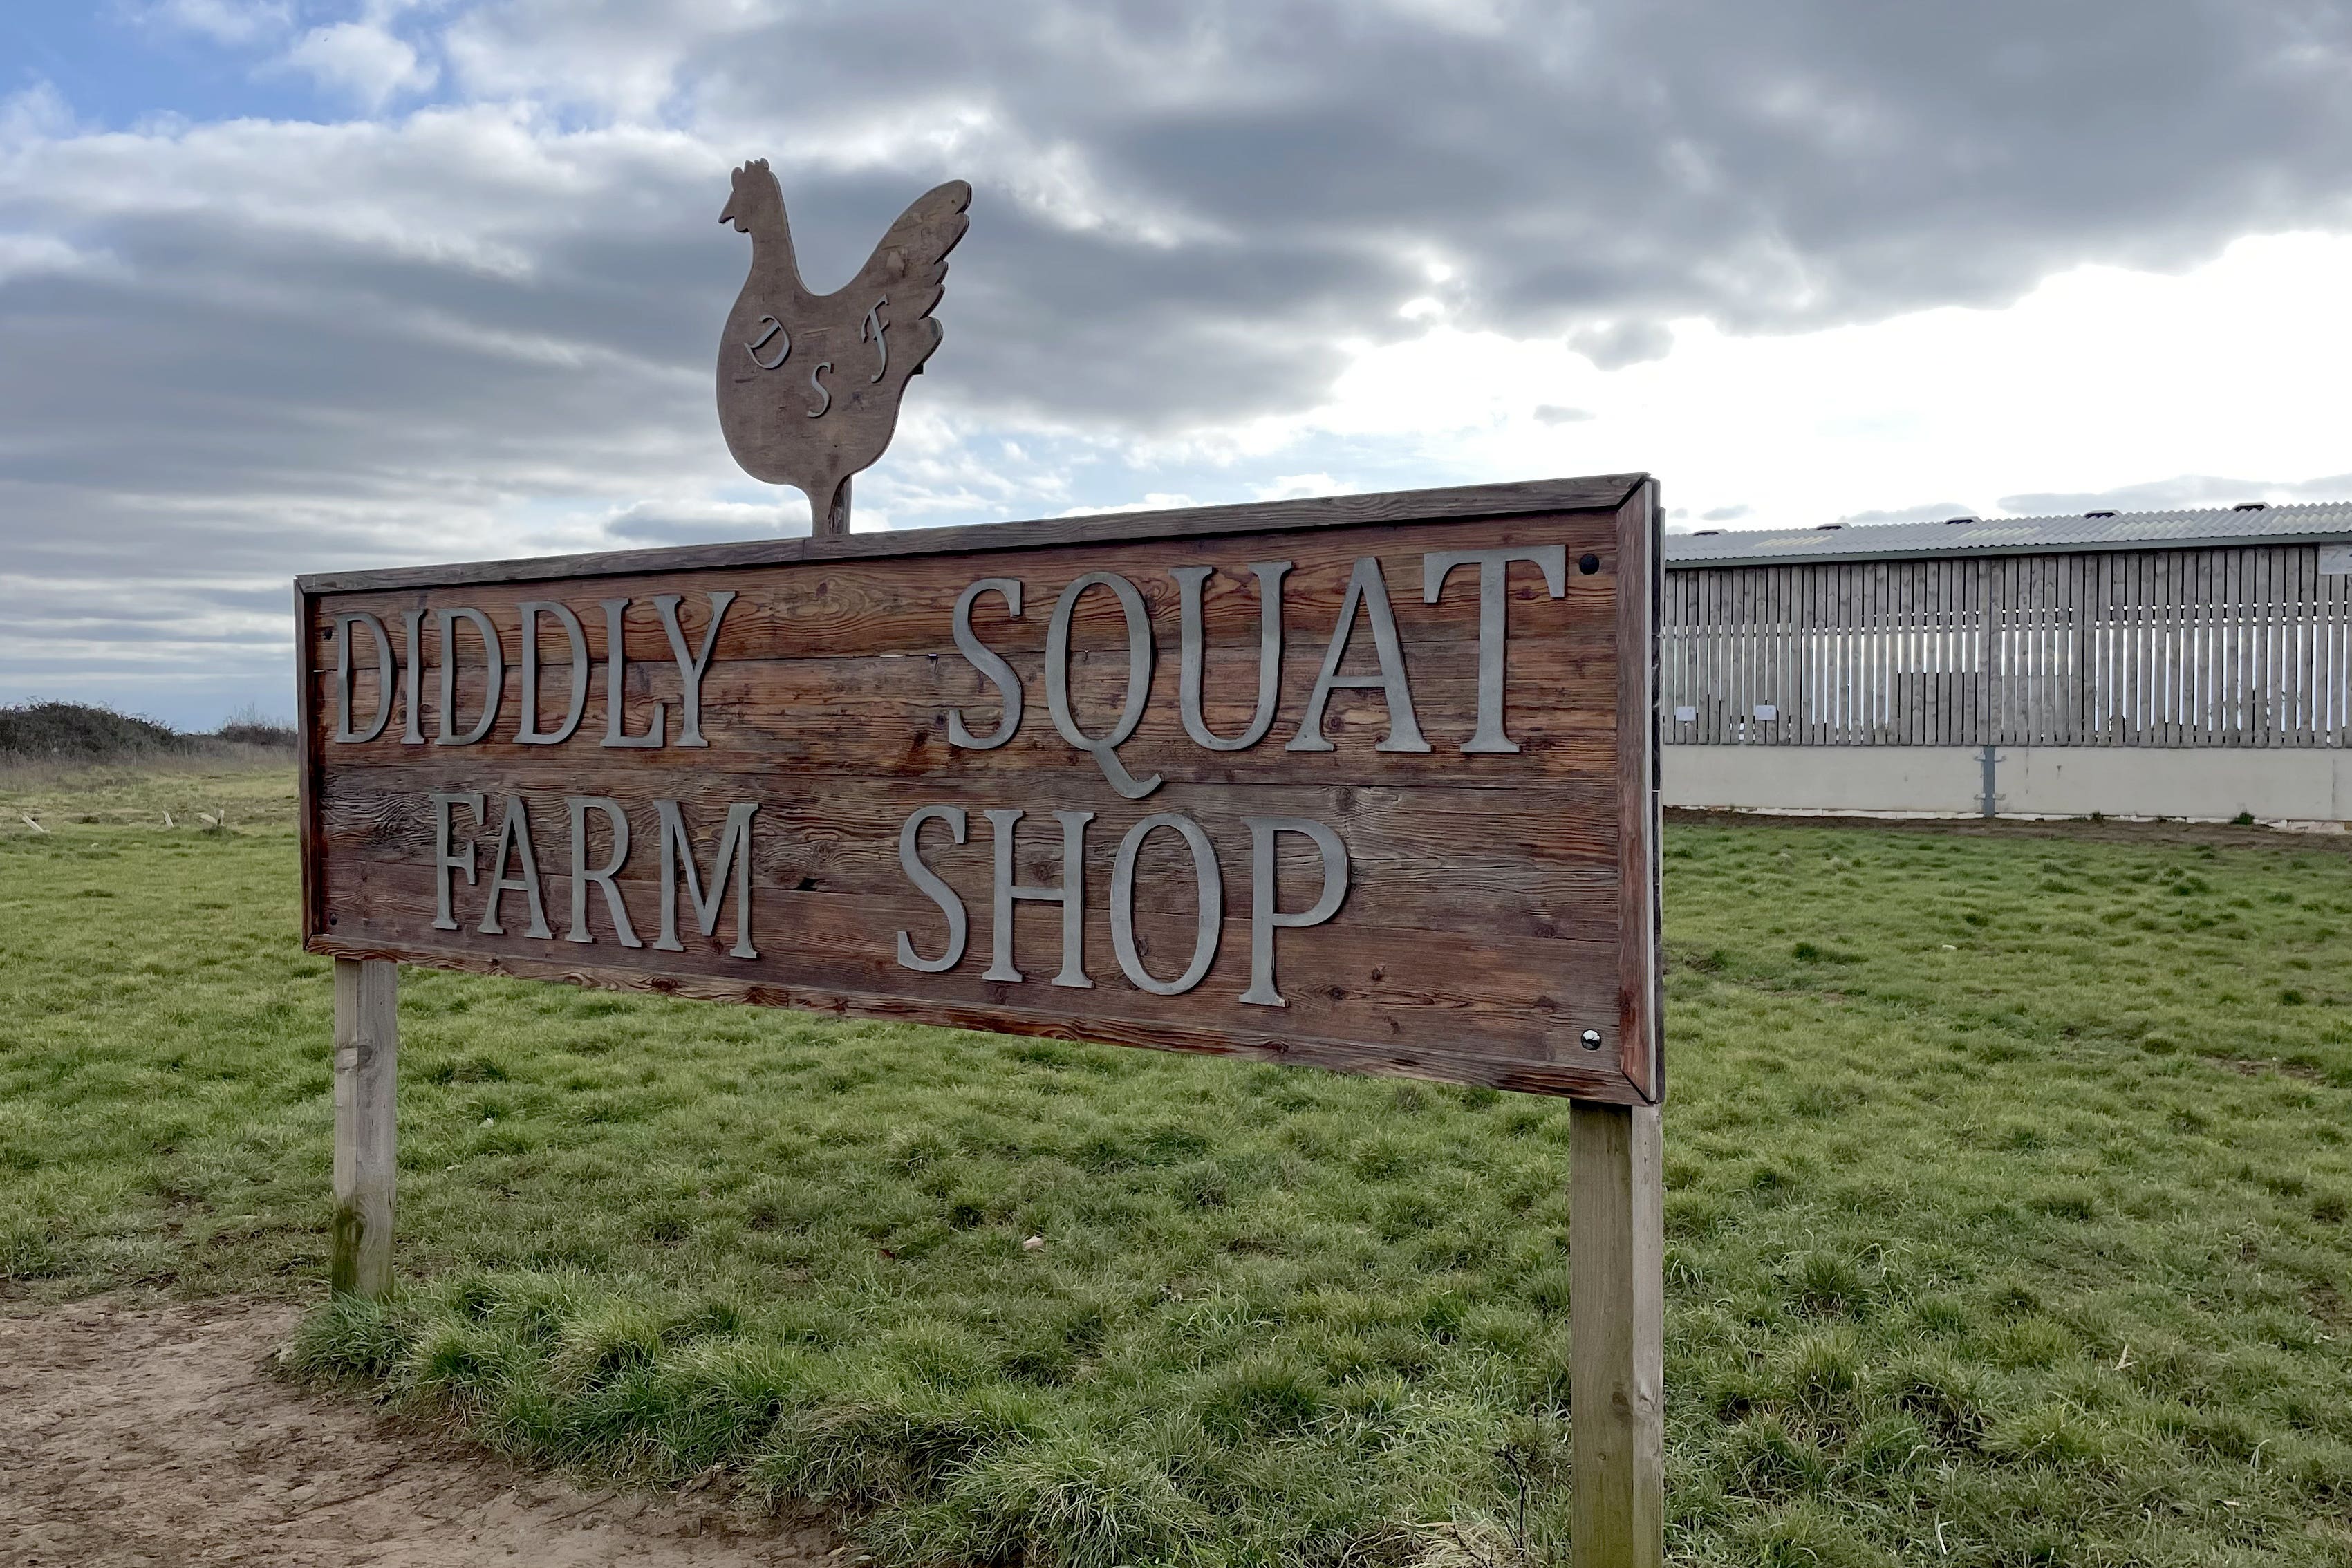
(809, 383)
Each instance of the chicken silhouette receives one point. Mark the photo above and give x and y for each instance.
(809, 383)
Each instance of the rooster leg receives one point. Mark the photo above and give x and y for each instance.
(832, 519)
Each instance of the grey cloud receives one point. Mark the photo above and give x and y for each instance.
(1614, 345)
(1592, 170)
(696, 522)
(1726, 513)
(258, 348)
(246, 395)
(2186, 490)
(1556, 414)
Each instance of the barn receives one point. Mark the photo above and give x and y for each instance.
(2193, 664)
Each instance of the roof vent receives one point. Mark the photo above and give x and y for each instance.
(1706, 533)
(2251, 506)
(1827, 527)
(2098, 514)
(1949, 521)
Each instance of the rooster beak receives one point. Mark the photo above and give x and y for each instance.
(727, 215)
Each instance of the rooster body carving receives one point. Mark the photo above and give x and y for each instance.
(809, 384)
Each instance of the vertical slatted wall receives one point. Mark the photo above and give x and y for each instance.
(2233, 647)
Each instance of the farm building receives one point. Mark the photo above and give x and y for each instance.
(2186, 664)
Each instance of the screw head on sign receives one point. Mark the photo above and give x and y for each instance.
(1592, 1039)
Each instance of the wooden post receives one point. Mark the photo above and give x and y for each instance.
(367, 1052)
(835, 521)
(1616, 1240)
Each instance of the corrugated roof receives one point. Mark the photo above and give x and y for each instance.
(2113, 530)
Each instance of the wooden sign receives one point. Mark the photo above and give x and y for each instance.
(1367, 782)
(809, 384)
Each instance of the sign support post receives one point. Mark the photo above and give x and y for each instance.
(1616, 1261)
(367, 1051)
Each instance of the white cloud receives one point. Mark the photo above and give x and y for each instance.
(1292, 487)
(30, 255)
(36, 114)
(1151, 501)
(362, 59)
(2100, 379)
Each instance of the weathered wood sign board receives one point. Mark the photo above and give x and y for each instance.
(1367, 782)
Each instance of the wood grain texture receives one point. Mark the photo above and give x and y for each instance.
(1488, 502)
(308, 764)
(1499, 920)
(367, 1156)
(1640, 1027)
(1616, 1261)
(902, 606)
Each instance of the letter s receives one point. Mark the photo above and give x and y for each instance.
(986, 660)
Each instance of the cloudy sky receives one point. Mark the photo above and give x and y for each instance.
(288, 285)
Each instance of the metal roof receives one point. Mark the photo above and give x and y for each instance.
(2204, 526)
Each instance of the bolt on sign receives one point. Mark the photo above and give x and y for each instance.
(1366, 782)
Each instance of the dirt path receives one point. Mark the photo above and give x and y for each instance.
(156, 1436)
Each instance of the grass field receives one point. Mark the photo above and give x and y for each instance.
(2007, 1195)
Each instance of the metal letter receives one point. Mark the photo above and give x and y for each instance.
(1211, 893)
(1265, 912)
(1494, 597)
(514, 834)
(823, 396)
(872, 331)
(1105, 752)
(412, 672)
(1189, 580)
(1071, 895)
(582, 876)
(344, 621)
(443, 861)
(691, 665)
(985, 661)
(1366, 587)
(911, 860)
(756, 344)
(616, 672)
(531, 610)
(678, 852)
(494, 661)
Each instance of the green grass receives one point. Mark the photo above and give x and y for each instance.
(252, 786)
(2008, 1197)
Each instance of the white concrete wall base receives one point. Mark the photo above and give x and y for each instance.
(2193, 784)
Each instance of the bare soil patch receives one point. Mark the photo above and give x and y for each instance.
(158, 1435)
